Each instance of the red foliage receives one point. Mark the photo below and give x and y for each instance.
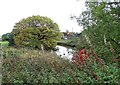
(82, 54)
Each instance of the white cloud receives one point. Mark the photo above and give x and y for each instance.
(13, 11)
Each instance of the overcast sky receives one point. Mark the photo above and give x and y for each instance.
(12, 11)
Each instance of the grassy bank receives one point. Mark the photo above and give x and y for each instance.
(4, 44)
(70, 43)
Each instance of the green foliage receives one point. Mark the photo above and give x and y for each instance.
(11, 52)
(102, 28)
(33, 66)
(68, 42)
(36, 30)
(8, 37)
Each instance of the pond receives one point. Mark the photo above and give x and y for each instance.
(64, 52)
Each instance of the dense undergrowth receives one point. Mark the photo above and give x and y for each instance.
(34, 66)
(101, 30)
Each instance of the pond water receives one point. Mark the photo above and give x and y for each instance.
(64, 52)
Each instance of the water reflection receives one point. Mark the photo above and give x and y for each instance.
(64, 52)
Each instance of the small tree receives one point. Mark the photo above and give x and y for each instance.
(101, 25)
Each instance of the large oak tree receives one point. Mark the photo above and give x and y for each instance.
(36, 30)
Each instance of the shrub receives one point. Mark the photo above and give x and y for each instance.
(34, 66)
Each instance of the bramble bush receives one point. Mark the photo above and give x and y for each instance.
(34, 66)
(96, 70)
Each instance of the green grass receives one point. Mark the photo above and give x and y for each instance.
(4, 44)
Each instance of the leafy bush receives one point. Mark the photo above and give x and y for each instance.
(33, 66)
(101, 28)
